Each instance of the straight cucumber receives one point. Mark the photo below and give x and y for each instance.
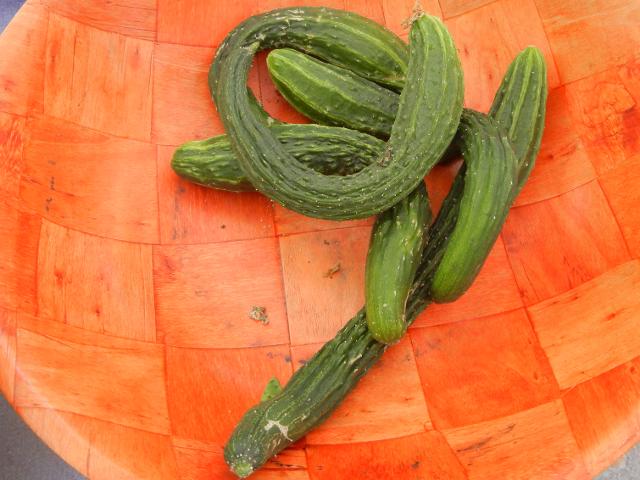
(332, 95)
(490, 175)
(397, 239)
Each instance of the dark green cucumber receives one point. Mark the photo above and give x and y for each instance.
(397, 239)
(427, 118)
(341, 38)
(490, 177)
(318, 388)
(332, 95)
(329, 150)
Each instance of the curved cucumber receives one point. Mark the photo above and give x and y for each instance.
(319, 387)
(428, 116)
(397, 239)
(520, 106)
(329, 150)
(341, 38)
(519, 109)
(332, 95)
(490, 176)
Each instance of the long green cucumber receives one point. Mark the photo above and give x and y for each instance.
(341, 38)
(490, 176)
(306, 83)
(519, 109)
(329, 150)
(318, 388)
(215, 165)
(428, 116)
(397, 239)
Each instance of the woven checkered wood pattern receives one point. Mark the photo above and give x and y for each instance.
(125, 341)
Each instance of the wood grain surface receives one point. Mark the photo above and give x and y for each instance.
(125, 292)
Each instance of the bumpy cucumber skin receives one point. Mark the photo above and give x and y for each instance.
(210, 163)
(317, 388)
(252, 443)
(397, 240)
(341, 38)
(491, 174)
(520, 103)
(329, 150)
(519, 109)
(306, 83)
(428, 116)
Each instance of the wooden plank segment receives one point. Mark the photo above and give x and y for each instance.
(7, 353)
(209, 390)
(560, 243)
(205, 294)
(74, 370)
(72, 264)
(534, 444)
(604, 414)
(90, 181)
(98, 79)
(589, 37)
(23, 44)
(135, 18)
(593, 327)
(482, 369)
(323, 275)
(424, 455)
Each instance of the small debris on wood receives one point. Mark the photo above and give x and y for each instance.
(333, 270)
(259, 314)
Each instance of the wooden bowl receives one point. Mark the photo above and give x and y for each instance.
(125, 341)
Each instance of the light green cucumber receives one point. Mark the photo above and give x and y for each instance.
(397, 239)
(332, 95)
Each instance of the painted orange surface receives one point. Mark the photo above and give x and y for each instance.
(125, 292)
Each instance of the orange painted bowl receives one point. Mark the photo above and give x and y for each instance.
(125, 341)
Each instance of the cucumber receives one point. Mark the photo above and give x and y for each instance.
(397, 239)
(519, 109)
(332, 95)
(329, 150)
(341, 38)
(428, 116)
(318, 387)
(490, 177)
